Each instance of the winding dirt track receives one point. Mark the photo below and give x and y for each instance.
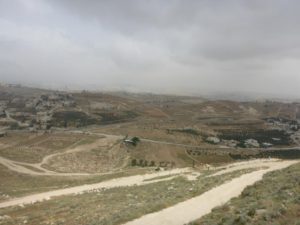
(105, 140)
(197, 207)
(119, 182)
(179, 214)
(39, 170)
(257, 163)
(171, 143)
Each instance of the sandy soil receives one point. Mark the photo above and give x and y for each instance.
(119, 182)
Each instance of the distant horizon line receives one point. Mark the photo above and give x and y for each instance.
(221, 95)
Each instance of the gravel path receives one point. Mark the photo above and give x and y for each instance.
(197, 207)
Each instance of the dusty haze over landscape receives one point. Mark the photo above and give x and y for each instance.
(130, 112)
(181, 47)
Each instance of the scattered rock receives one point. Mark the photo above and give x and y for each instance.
(213, 140)
(171, 188)
(260, 211)
(266, 144)
(4, 217)
(251, 143)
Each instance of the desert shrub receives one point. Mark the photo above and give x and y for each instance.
(152, 163)
(14, 126)
(72, 118)
(135, 140)
(141, 162)
(184, 130)
(251, 212)
(241, 220)
(117, 117)
(133, 162)
(145, 163)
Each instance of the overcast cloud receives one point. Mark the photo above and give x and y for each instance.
(176, 46)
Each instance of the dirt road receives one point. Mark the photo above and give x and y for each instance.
(257, 163)
(119, 182)
(197, 207)
(37, 169)
(102, 142)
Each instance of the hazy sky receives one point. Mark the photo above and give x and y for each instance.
(176, 46)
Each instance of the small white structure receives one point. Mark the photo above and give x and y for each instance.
(252, 143)
(213, 140)
(267, 145)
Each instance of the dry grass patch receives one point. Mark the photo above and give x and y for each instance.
(16, 185)
(97, 160)
(274, 200)
(32, 148)
(114, 206)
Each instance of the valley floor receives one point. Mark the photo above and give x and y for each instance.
(45, 189)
